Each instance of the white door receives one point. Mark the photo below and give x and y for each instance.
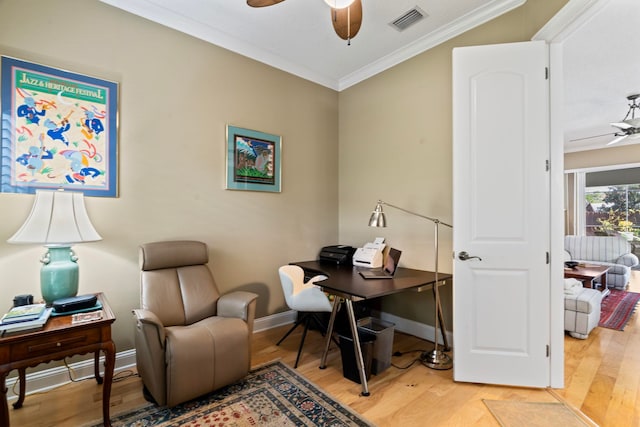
(501, 212)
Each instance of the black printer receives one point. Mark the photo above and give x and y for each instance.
(337, 254)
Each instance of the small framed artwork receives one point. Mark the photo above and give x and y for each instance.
(59, 130)
(253, 160)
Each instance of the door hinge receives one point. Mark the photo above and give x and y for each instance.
(548, 350)
(548, 258)
(546, 73)
(547, 165)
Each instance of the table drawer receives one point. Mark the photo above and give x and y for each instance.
(49, 345)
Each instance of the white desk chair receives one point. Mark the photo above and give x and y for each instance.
(305, 298)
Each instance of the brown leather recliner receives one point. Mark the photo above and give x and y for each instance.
(189, 339)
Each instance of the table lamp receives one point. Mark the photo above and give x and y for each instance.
(435, 359)
(57, 220)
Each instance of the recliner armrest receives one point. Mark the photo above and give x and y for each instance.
(149, 318)
(239, 304)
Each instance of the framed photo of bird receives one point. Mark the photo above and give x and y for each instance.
(59, 130)
(253, 160)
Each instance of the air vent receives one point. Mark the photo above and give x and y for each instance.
(408, 19)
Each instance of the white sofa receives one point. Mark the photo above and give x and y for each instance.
(612, 251)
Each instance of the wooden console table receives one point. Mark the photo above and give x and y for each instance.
(59, 339)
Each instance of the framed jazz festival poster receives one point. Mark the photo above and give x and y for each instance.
(253, 160)
(59, 130)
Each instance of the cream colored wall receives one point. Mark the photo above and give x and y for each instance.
(395, 145)
(177, 94)
(622, 155)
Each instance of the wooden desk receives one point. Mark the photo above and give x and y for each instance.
(345, 282)
(58, 339)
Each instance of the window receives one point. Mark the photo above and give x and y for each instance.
(612, 200)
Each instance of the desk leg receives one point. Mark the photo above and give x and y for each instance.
(357, 348)
(109, 349)
(4, 407)
(332, 319)
(22, 379)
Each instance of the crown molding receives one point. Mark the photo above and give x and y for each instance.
(446, 33)
(202, 31)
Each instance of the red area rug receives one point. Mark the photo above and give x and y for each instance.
(617, 308)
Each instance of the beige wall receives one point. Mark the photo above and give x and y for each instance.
(623, 155)
(395, 145)
(177, 94)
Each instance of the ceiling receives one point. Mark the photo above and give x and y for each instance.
(601, 68)
(601, 65)
(297, 36)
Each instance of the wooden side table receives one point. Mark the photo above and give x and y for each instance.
(59, 339)
(588, 274)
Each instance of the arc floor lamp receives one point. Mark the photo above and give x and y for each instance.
(435, 359)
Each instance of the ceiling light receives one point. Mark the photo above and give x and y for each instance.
(339, 4)
(346, 15)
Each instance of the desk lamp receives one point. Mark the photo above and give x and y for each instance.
(435, 359)
(57, 220)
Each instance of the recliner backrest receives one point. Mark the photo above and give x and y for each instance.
(176, 283)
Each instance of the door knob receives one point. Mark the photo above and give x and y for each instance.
(464, 256)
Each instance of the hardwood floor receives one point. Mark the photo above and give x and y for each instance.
(602, 380)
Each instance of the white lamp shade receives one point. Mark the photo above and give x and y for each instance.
(57, 217)
(339, 4)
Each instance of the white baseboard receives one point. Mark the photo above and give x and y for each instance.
(48, 379)
(407, 326)
(273, 321)
(417, 329)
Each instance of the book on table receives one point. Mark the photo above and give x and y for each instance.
(23, 313)
(27, 325)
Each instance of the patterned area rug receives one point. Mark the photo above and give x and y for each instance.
(617, 308)
(511, 413)
(273, 395)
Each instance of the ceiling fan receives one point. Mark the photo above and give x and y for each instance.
(629, 126)
(346, 15)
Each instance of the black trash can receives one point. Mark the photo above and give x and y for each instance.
(349, 364)
(383, 346)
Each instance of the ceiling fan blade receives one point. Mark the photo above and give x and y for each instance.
(621, 125)
(618, 139)
(347, 21)
(591, 137)
(262, 3)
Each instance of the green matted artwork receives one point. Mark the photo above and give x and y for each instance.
(253, 160)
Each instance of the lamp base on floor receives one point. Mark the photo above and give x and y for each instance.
(436, 359)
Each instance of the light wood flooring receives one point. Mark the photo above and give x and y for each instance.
(602, 380)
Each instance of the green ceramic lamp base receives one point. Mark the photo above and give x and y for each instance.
(59, 273)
